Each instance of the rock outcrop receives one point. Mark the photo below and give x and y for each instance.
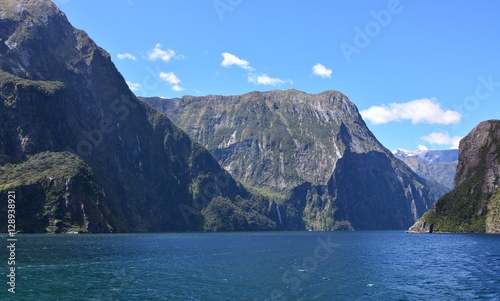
(474, 204)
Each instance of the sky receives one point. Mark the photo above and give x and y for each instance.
(422, 73)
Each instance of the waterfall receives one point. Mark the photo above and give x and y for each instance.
(279, 214)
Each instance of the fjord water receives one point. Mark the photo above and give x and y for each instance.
(378, 265)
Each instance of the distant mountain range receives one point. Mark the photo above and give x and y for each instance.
(313, 149)
(429, 156)
(434, 165)
(474, 204)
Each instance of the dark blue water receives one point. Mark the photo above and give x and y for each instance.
(385, 265)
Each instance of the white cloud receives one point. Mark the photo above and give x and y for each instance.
(264, 79)
(257, 79)
(442, 138)
(322, 71)
(418, 111)
(126, 55)
(158, 53)
(133, 86)
(172, 79)
(231, 59)
(422, 147)
(177, 88)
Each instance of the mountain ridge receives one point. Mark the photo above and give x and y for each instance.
(288, 141)
(276, 109)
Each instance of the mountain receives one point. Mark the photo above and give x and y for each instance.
(474, 204)
(276, 139)
(313, 151)
(82, 154)
(433, 165)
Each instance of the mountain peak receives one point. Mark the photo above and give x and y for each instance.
(275, 139)
(39, 10)
(40, 44)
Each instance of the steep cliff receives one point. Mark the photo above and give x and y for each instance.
(473, 206)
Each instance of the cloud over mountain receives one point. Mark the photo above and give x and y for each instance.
(426, 110)
(230, 60)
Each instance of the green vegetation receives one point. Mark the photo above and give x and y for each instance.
(56, 194)
(460, 210)
(42, 166)
(457, 211)
(9, 81)
(223, 215)
(272, 196)
(493, 218)
(471, 206)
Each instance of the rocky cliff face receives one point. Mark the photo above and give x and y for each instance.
(275, 139)
(110, 162)
(56, 192)
(315, 149)
(474, 204)
(433, 165)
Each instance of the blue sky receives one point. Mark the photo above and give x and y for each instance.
(422, 73)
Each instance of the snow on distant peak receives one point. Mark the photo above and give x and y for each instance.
(400, 152)
(428, 156)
